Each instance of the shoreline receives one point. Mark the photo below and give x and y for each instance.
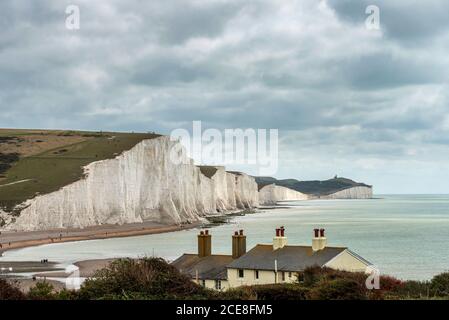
(11, 240)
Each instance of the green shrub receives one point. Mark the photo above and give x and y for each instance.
(65, 294)
(388, 287)
(281, 292)
(292, 291)
(148, 278)
(10, 291)
(439, 285)
(338, 289)
(41, 291)
(411, 290)
(240, 293)
(311, 276)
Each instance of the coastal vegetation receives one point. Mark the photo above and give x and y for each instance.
(10, 291)
(155, 279)
(41, 161)
(314, 187)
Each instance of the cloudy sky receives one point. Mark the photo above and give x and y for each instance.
(371, 105)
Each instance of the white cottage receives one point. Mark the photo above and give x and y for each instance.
(265, 263)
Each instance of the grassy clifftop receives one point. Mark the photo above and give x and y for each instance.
(40, 161)
(315, 187)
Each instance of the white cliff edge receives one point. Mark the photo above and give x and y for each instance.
(271, 194)
(359, 192)
(141, 184)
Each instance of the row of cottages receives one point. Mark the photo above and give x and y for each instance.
(265, 263)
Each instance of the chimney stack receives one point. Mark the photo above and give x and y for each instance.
(238, 244)
(280, 240)
(316, 240)
(319, 241)
(323, 240)
(235, 245)
(204, 244)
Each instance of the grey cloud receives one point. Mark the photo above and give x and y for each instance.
(184, 20)
(161, 71)
(334, 90)
(412, 21)
(386, 71)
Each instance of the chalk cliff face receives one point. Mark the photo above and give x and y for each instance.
(141, 184)
(351, 193)
(271, 194)
(234, 190)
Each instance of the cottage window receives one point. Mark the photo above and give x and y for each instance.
(256, 274)
(283, 276)
(218, 284)
(241, 273)
(289, 274)
(203, 283)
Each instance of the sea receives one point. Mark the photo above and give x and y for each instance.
(405, 236)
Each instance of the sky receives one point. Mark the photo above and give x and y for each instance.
(366, 104)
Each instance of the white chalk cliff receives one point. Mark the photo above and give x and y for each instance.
(359, 192)
(271, 194)
(234, 190)
(141, 184)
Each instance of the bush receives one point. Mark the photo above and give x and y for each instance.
(240, 293)
(439, 285)
(338, 289)
(10, 291)
(316, 275)
(290, 291)
(411, 290)
(6, 161)
(388, 286)
(41, 291)
(281, 292)
(311, 276)
(65, 294)
(148, 278)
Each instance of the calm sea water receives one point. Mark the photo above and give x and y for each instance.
(405, 236)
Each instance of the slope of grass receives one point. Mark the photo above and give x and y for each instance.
(316, 187)
(59, 164)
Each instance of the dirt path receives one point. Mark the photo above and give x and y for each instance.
(16, 182)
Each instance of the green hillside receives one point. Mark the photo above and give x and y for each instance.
(315, 187)
(39, 161)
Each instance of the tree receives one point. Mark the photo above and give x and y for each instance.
(41, 291)
(439, 285)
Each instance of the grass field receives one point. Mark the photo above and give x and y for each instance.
(315, 187)
(49, 160)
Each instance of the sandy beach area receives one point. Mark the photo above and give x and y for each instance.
(25, 274)
(87, 268)
(10, 240)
